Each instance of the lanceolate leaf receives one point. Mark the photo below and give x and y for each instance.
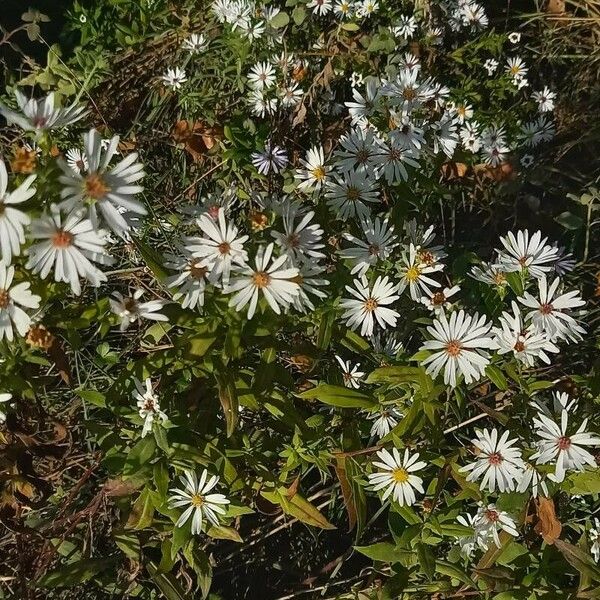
(340, 396)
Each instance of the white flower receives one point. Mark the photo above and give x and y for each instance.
(498, 462)
(470, 137)
(514, 37)
(221, 249)
(129, 308)
(515, 67)
(489, 521)
(190, 280)
(68, 245)
(261, 76)
(406, 26)
(277, 285)
(370, 305)
(526, 343)
(195, 43)
(526, 252)
(530, 477)
(41, 115)
(384, 421)
(273, 158)
(12, 220)
(343, 8)
(261, 105)
(350, 373)
(174, 78)
(490, 274)
(4, 397)
(594, 535)
(291, 95)
(365, 8)
(392, 158)
(12, 316)
(490, 65)
(77, 160)
(148, 404)
(110, 190)
(360, 148)
(314, 173)
(301, 240)
(380, 241)
(438, 301)
(566, 449)
(445, 136)
(549, 312)
(365, 106)
(347, 195)
(320, 7)
(200, 504)
(414, 274)
(309, 284)
(467, 543)
(458, 347)
(544, 99)
(396, 474)
(386, 344)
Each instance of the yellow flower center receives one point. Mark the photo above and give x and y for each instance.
(453, 348)
(370, 304)
(261, 279)
(400, 475)
(318, 173)
(197, 500)
(413, 273)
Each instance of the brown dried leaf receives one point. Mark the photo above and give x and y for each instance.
(293, 489)
(59, 356)
(196, 137)
(347, 495)
(117, 487)
(454, 170)
(548, 526)
(555, 7)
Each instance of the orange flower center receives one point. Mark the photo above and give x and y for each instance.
(453, 348)
(4, 299)
(224, 248)
(261, 279)
(62, 239)
(519, 346)
(95, 187)
(438, 299)
(370, 304)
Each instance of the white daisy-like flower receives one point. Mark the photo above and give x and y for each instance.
(343, 8)
(320, 7)
(4, 398)
(458, 347)
(102, 189)
(129, 308)
(77, 160)
(514, 37)
(174, 78)
(550, 311)
(199, 502)
(69, 245)
(148, 405)
(365, 8)
(545, 99)
(12, 298)
(406, 26)
(314, 173)
(525, 251)
(594, 535)
(530, 477)
(221, 249)
(347, 195)
(397, 475)
(515, 67)
(262, 76)
(497, 461)
(359, 150)
(437, 301)
(351, 375)
(379, 244)
(556, 445)
(12, 220)
(370, 305)
(261, 104)
(414, 274)
(272, 158)
(190, 279)
(392, 158)
(490, 274)
(301, 240)
(291, 95)
(384, 420)
(309, 281)
(387, 344)
(468, 543)
(364, 106)
(278, 285)
(41, 115)
(491, 65)
(489, 521)
(527, 343)
(196, 43)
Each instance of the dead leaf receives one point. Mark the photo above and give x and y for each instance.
(299, 116)
(555, 7)
(196, 137)
(548, 526)
(24, 161)
(59, 356)
(117, 487)
(454, 170)
(347, 495)
(293, 489)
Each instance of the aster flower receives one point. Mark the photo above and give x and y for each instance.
(41, 115)
(196, 43)
(343, 9)
(594, 535)
(405, 27)
(489, 521)
(262, 76)
(566, 450)
(384, 420)
(437, 301)
(12, 220)
(468, 543)
(530, 477)
(491, 65)
(515, 67)
(129, 308)
(358, 153)
(309, 281)
(385, 343)
(458, 347)
(550, 311)
(199, 503)
(148, 405)
(364, 106)
(527, 343)
(190, 279)
(380, 241)
(396, 476)
(174, 78)
(273, 158)
(347, 195)
(497, 461)
(105, 191)
(320, 7)
(12, 298)
(291, 95)
(261, 104)
(545, 99)
(69, 245)
(221, 249)
(525, 251)
(370, 305)
(490, 274)
(4, 399)
(350, 373)
(392, 158)
(275, 283)
(414, 274)
(314, 172)
(77, 160)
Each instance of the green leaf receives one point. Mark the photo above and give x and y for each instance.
(496, 377)
(336, 395)
(579, 559)
(426, 560)
(298, 507)
(279, 20)
(570, 221)
(386, 552)
(75, 572)
(587, 482)
(153, 259)
(93, 397)
(400, 375)
(299, 14)
(450, 570)
(221, 532)
(167, 584)
(139, 455)
(228, 397)
(128, 543)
